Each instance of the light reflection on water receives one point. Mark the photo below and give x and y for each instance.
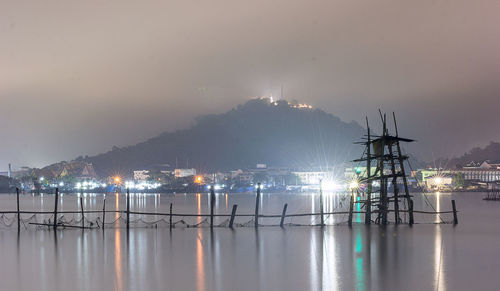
(421, 257)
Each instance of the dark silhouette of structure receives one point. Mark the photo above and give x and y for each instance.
(384, 152)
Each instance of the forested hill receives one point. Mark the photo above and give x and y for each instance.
(259, 131)
(477, 155)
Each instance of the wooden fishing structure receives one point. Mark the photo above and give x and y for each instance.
(383, 154)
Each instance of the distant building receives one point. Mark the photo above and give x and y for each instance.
(181, 173)
(245, 178)
(141, 175)
(474, 172)
(486, 165)
(80, 170)
(313, 178)
(88, 172)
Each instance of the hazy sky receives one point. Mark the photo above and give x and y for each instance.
(77, 77)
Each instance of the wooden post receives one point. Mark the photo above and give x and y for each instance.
(170, 218)
(411, 211)
(257, 198)
(283, 214)
(103, 211)
(455, 218)
(233, 214)
(384, 205)
(81, 209)
(351, 206)
(394, 184)
(212, 205)
(321, 202)
(368, 215)
(128, 208)
(18, 213)
(56, 201)
(401, 164)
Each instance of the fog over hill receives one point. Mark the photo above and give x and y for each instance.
(259, 131)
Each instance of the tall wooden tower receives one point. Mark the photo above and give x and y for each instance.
(383, 155)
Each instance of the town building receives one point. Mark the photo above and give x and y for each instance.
(141, 175)
(181, 173)
(313, 177)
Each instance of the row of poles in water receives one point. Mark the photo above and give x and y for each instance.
(212, 214)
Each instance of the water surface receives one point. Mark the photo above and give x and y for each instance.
(426, 256)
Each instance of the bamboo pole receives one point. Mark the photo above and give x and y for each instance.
(321, 202)
(401, 162)
(455, 218)
(257, 198)
(128, 209)
(18, 212)
(55, 208)
(351, 206)
(82, 212)
(384, 205)
(233, 214)
(212, 205)
(394, 185)
(368, 215)
(103, 211)
(170, 218)
(283, 214)
(411, 211)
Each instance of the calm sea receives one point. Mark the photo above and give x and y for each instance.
(427, 256)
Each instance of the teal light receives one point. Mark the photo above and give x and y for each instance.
(358, 265)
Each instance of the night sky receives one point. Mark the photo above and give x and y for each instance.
(78, 77)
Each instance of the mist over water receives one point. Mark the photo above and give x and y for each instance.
(423, 257)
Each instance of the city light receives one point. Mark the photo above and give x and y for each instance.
(198, 179)
(330, 185)
(86, 185)
(215, 187)
(353, 185)
(141, 185)
(129, 184)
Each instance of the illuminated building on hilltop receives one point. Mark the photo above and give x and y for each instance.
(291, 104)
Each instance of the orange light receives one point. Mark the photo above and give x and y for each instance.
(198, 179)
(117, 179)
